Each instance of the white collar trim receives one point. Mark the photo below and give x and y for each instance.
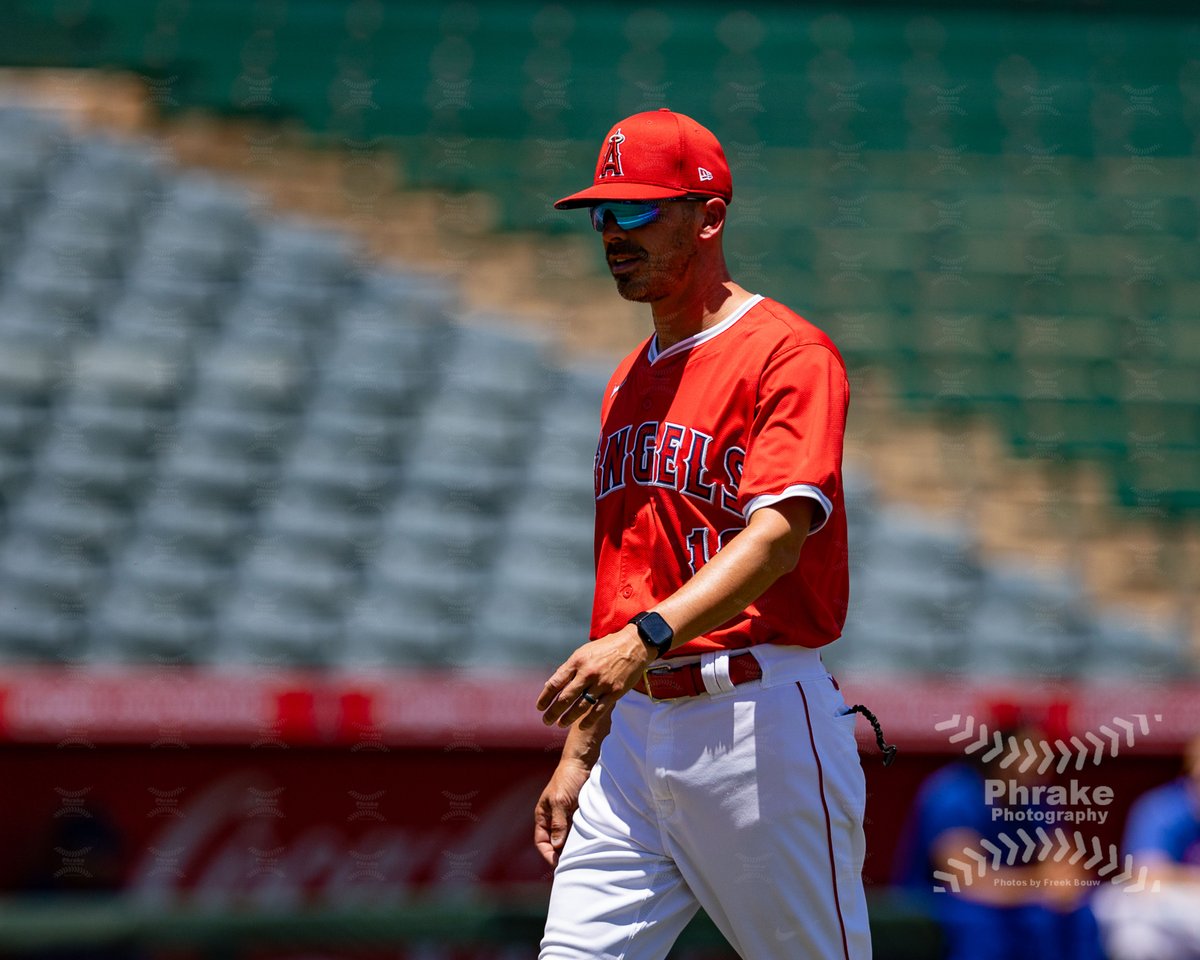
(654, 355)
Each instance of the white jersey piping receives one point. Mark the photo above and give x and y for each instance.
(654, 355)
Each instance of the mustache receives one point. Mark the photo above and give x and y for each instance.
(618, 248)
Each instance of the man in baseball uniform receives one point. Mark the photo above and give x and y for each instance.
(711, 760)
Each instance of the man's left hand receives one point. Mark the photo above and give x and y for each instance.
(604, 669)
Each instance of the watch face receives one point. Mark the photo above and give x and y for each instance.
(655, 631)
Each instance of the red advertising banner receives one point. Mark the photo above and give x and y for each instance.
(269, 826)
(281, 789)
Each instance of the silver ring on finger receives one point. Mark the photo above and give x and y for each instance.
(589, 698)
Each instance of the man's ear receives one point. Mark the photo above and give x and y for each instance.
(713, 221)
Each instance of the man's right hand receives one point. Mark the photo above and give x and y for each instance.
(555, 808)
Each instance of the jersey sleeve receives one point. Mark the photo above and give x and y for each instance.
(795, 445)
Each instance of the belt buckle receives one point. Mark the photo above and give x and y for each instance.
(646, 680)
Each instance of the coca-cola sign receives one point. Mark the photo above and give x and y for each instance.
(232, 844)
(273, 827)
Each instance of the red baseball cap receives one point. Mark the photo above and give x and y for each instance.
(656, 155)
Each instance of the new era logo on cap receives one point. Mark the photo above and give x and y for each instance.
(656, 155)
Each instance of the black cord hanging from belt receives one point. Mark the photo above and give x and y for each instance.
(887, 749)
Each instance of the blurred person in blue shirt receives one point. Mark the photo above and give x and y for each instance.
(1027, 911)
(1161, 919)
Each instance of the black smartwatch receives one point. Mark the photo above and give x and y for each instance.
(655, 631)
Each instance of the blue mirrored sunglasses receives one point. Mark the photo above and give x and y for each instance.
(628, 216)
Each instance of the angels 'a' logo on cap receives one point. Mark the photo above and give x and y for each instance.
(610, 164)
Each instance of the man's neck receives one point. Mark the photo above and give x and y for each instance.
(694, 311)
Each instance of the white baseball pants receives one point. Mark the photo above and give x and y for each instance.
(747, 801)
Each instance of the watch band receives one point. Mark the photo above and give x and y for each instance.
(655, 631)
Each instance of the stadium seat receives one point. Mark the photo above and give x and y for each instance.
(64, 574)
(35, 628)
(145, 623)
(318, 523)
(497, 370)
(212, 205)
(277, 566)
(29, 143)
(98, 472)
(159, 306)
(1027, 624)
(388, 628)
(272, 630)
(174, 249)
(78, 244)
(162, 561)
(30, 372)
(56, 509)
(45, 307)
(259, 435)
(255, 379)
(294, 252)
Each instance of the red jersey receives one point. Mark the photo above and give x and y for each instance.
(697, 437)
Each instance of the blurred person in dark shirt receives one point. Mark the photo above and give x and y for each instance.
(1159, 918)
(1026, 911)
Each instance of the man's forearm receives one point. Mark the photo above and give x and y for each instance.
(741, 571)
(582, 745)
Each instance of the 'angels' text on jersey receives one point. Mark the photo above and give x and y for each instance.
(669, 455)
